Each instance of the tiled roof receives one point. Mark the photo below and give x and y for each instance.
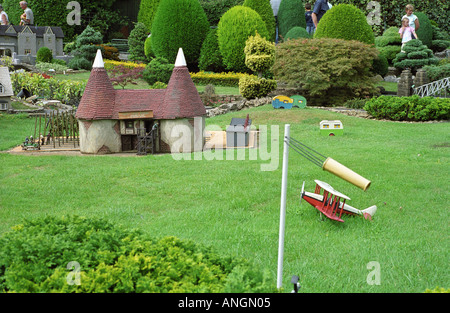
(101, 101)
(38, 30)
(98, 98)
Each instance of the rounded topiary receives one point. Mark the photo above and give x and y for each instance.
(44, 54)
(259, 54)
(158, 70)
(210, 57)
(148, 48)
(264, 9)
(345, 21)
(414, 55)
(136, 42)
(291, 13)
(147, 10)
(179, 24)
(297, 32)
(425, 31)
(234, 28)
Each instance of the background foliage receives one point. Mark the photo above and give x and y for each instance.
(179, 24)
(291, 13)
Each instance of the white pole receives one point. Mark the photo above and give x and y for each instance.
(283, 205)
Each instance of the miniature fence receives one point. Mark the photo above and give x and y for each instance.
(434, 89)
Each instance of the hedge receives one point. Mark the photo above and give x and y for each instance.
(75, 254)
(227, 79)
(413, 108)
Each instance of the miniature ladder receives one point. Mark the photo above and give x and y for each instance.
(146, 142)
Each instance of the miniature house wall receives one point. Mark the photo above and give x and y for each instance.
(6, 90)
(110, 119)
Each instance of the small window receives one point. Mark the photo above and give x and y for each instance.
(1, 88)
(27, 51)
(129, 124)
(3, 106)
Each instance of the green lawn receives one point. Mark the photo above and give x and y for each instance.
(234, 206)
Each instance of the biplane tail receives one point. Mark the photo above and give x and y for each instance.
(369, 212)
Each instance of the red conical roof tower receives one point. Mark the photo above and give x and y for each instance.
(181, 99)
(98, 98)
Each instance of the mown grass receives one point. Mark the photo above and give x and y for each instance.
(234, 206)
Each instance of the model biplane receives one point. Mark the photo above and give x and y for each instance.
(331, 203)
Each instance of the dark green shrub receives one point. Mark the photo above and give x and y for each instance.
(297, 32)
(59, 61)
(148, 48)
(179, 24)
(291, 13)
(415, 55)
(80, 63)
(147, 10)
(425, 31)
(214, 9)
(345, 21)
(136, 42)
(440, 45)
(253, 87)
(75, 254)
(411, 108)
(210, 57)
(235, 26)
(44, 54)
(437, 72)
(299, 63)
(86, 45)
(380, 65)
(158, 70)
(264, 9)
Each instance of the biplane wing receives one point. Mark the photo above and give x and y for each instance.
(329, 203)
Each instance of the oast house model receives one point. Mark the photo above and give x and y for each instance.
(110, 120)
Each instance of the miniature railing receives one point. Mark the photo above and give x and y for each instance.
(434, 89)
(146, 141)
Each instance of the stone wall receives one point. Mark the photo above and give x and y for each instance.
(238, 105)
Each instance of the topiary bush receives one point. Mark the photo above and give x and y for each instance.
(75, 254)
(234, 28)
(414, 55)
(136, 42)
(264, 9)
(210, 57)
(380, 65)
(425, 31)
(179, 24)
(214, 9)
(389, 44)
(345, 21)
(251, 87)
(147, 10)
(44, 54)
(259, 54)
(326, 71)
(413, 108)
(297, 32)
(158, 70)
(291, 13)
(437, 72)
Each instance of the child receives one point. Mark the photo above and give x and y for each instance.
(406, 32)
(413, 20)
(310, 28)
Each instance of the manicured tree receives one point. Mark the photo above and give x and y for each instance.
(44, 54)
(147, 10)
(210, 57)
(234, 28)
(179, 24)
(345, 21)
(158, 70)
(136, 42)
(214, 9)
(291, 13)
(425, 31)
(297, 32)
(414, 55)
(259, 54)
(85, 50)
(264, 9)
(389, 44)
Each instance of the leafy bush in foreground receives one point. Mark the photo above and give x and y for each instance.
(37, 256)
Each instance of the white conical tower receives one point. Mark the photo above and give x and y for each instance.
(180, 61)
(98, 62)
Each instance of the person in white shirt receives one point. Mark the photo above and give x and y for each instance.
(3, 16)
(27, 17)
(413, 20)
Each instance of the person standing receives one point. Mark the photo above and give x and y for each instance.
(406, 32)
(3, 17)
(413, 20)
(320, 8)
(310, 28)
(27, 17)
